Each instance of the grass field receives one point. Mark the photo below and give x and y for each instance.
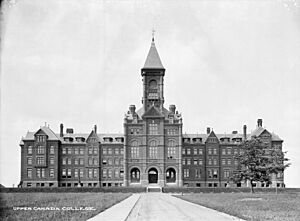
(281, 207)
(65, 205)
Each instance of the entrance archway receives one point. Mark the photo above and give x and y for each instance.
(171, 175)
(152, 175)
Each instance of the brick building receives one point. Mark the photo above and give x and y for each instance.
(152, 149)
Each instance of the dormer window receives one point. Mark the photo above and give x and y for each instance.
(108, 139)
(40, 138)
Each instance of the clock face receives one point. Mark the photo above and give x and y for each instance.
(153, 84)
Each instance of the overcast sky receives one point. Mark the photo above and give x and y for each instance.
(227, 64)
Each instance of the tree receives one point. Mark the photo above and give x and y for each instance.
(257, 162)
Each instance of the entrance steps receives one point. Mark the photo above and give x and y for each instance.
(154, 188)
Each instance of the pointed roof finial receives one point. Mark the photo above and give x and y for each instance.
(153, 32)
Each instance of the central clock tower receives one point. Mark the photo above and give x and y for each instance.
(153, 74)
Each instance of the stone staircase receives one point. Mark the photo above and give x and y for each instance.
(154, 188)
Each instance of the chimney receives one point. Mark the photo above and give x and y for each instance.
(259, 122)
(172, 108)
(132, 109)
(61, 134)
(208, 130)
(95, 129)
(245, 132)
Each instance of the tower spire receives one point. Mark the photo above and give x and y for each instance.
(153, 32)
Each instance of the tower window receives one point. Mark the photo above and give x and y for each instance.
(153, 128)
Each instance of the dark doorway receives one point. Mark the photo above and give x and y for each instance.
(171, 175)
(152, 175)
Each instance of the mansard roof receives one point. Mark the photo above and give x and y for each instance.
(51, 135)
(259, 130)
(153, 60)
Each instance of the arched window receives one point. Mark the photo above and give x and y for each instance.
(153, 84)
(135, 175)
(171, 175)
(135, 153)
(153, 150)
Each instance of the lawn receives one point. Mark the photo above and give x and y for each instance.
(64, 206)
(259, 206)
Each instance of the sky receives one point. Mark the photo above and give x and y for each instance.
(227, 63)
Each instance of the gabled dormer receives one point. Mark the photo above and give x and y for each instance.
(212, 138)
(153, 112)
(93, 137)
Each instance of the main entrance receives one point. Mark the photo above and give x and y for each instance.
(152, 175)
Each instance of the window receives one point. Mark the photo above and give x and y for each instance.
(153, 150)
(116, 161)
(104, 150)
(104, 173)
(95, 150)
(90, 173)
(195, 161)
(229, 150)
(110, 162)
(95, 161)
(117, 151)
(188, 161)
(40, 150)
(104, 161)
(223, 152)
(171, 148)
(81, 161)
(90, 161)
(40, 160)
(223, 161)
(200, 162)
(209, 173)
(116, 173)
(81, 173)
(229, 161)
(215, 173)
(64, 150)
(209, 161)
(51, 160)
(69, 161)
(215, 161)
(200, 151)
(51, 149)
(81, 151)
(29, 160)
(235, 151)
(76, 151)
(29, 150)
(183, 151)
(171, 131)
(121, 173)
(69, 150)
(90, 150)
(121, 151)
(209, 151)
(236, 162)
(135, 175)
(29, 172)
(183, 161)
(121, 161)
(109, 173)
(95, 172)
(109, 151)
(226, 173)
(186, 173)
(75, 173)
(64, 161)
(188, 151)
(215, 151)
(153, 128)
(197, 173)
(76, 161)
(40, 172)
(195, 151)
(51, 173)
(69, 173)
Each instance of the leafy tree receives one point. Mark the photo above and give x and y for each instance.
(257, 162)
